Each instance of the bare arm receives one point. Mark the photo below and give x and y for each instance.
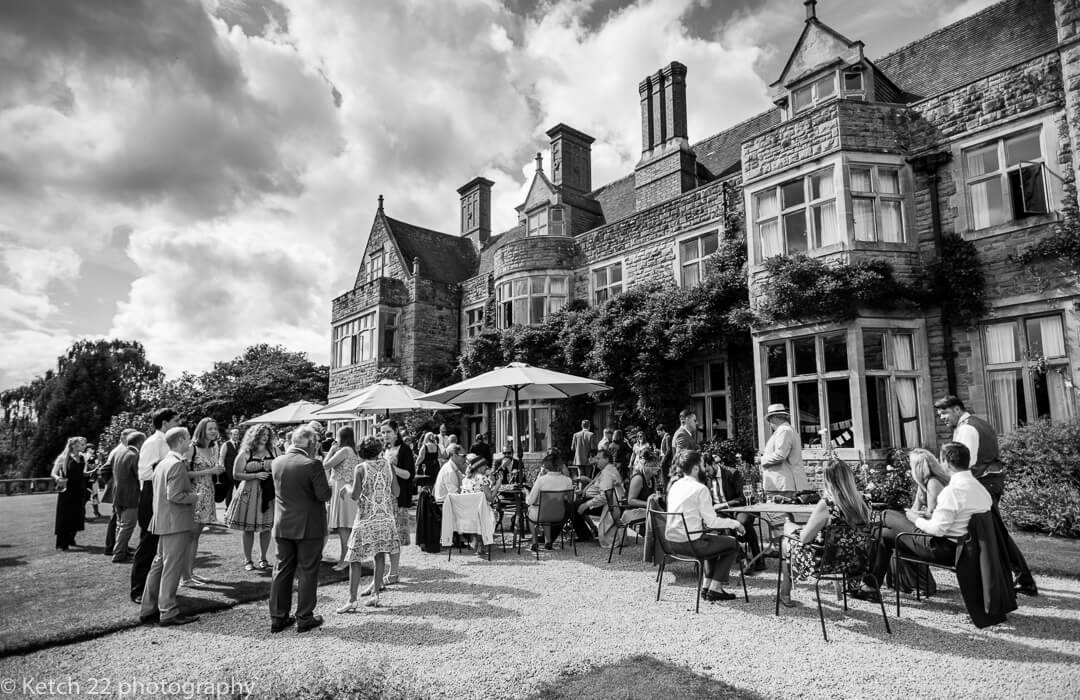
(933, 488)
(353, 490)
(338, 457)
(818, 520)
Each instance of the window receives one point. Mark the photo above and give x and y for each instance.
(877, 203)
(708, 392)
(389, 329)
(528, 300)
(354, 341)
(693, 254)
(376, 265)
(891, 388)
(537, 223)
(814, 93)
(607, 281)
(474, 322)
(1006, 179)
(1027, 371)
(853, 85)
(534, 426)
(796, 216)
(810, 375)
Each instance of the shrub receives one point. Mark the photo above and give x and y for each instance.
(1042, 492)
(892, 484)
(1053, 508)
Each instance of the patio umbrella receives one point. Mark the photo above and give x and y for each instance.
(517, 381)
(296, 412)
(389, 396)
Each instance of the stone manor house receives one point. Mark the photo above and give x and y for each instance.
(966, 131)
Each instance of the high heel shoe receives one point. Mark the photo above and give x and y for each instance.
(787, 602)
(350, 607)
(372, 602)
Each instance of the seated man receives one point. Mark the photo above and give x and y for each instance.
(592, 500)
(449, 479)
(550, 479)
(727, 492)
(938, 536)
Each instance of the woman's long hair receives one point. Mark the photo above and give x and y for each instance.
(346, 438)
(248, 442)
(199, 437)
(69, 451)
(843, 491)
(925, 465)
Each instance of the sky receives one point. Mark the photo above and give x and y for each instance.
(201, 175)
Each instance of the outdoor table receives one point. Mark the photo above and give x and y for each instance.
(759, 509)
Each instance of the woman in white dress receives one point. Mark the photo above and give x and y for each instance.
(340, 463)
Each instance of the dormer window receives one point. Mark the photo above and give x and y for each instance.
(537, 223)
(814, 93)
(854, 88)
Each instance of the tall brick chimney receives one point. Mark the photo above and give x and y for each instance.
(571, 158)
(476, 210)
(668, 166)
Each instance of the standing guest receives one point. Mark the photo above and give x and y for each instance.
(108, 473)
(375, 532)
(986, 466)
(583, 442)
(400, 459)
(172, 523)
(640, 444)
(317, 450)
(153, 450)
(691, 498)
(444, 441)
(781, 463)
(939, 534)
(620, 452)
(69, 474)
(686, 436)
(844, 511)
(428, 457)
(550, 479)
(251, 511)
(667, 453)
(227, 457)
(90, 470)
(203, 466)
(450, 475)
(301, 492)
(126, 494)
(341, 464)
(481, 447)
(606, 440)
(727, 492)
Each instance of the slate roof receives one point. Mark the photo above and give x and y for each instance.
(984, 43)
(443, 258)
(722, 153)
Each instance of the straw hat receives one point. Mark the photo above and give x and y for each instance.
(776, 409)
(473, 462)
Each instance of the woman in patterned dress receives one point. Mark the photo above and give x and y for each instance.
(252, 509)
(202, 468)
(400, 458)
(375, 531)
(340, 464)
(844, 513)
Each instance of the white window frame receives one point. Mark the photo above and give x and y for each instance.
(891, 373)
(853, 94)
(530, 438)
(609, 289)
(376, 264)
(506, 293)
(807, 206)
(814, 88)
(473, 326)
(1002, 174)
(701, 258)
(348, 346)
(703, 399)
(536, 222)
(390, 353)
(877, 196)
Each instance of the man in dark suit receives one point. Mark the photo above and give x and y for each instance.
(228, 456)
(301, 492)
(126, 493)
(727, 492)
(107, 471)
(172, 523)
(583, 443)
(685, 437)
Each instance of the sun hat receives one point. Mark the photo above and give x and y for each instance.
(776, 409)
(474, 461)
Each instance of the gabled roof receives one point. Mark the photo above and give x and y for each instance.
(817, 45)
(443, 258)
(541, 190)
(722, 153)
(984, 43)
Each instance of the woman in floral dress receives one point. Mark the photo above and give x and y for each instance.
(252, 509)
(840, 521)
(375, 532)
(341, 462)
(202, 468)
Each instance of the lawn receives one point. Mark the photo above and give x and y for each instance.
(564, 627)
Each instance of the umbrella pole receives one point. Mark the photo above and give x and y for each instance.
(517, 433)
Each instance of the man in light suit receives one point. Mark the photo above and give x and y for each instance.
(781, 462)
(126, 493)
(172, 523)
(301, 492)
(583, 443)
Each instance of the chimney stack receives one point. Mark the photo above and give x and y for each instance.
(668, 166)
(476, 210)
(571, 158)
(811, 9)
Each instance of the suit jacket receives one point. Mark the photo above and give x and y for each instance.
(581, 444)
(683, 440)
(731, 485)
(781, 463)
(174, 499)
(982, 570)
(228, 456)
(126, 479)
(301, 492)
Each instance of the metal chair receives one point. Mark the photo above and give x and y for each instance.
(511, 503)
(554, 508)
(831, 569)
(615, 508)
(658, 519)
(898, 557)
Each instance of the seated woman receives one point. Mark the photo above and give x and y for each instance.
(845, 513)
(689, 496)
(929, 477)
(644, 482)
(550, 478)
(476, 477)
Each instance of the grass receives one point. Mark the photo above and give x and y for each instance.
(641, 676)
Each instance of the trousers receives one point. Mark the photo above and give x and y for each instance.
(148, 541)
(299, 560)
(164, 576)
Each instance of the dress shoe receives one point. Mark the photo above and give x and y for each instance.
(1030, 590)
(108, 552)
(121, 560)
(549, 545)
(871, 596)
(712, 596)
(177, 620)
(276, 627)
(151, 619)
(316, 621)
(533, 547)
(137, 599)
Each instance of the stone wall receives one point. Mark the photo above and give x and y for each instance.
(790, 143)
(385, 291)
(664, 176)
(535, 253)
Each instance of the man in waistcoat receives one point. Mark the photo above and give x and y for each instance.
(985, 463)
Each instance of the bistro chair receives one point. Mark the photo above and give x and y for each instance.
(554, 508)
(658, 521)
(830, 567)
(615, 508)
(511, 502)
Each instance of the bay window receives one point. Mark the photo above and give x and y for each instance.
(877, 203)
(529, 300)
(693, 255)
(891, 388)
(354, 341)
(796, 216)
(1005, 179)
(1027, 370)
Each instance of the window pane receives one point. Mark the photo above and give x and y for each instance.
(688, 250)
(821, 184)
(558, 285)
(877, 400)
(769, 236)
(521, 310)
(907, 410)
(554, 303)
(717, 376)
(601, 296)
(987, 203)
(1045, 337)
(825, 86)
(536, 314)
(600, 277)
(792, 193)
(690, 276)
(776, 360)
(888, 181)
(541, 429)
(860, 180)
(616, 273)
(979, 161)
(874, 349)
(1001, 345)
(765, 204)
(805, 356)
(809, 413)
(795, 232)
(838, 402)
(1052, 397)
(826, 232)
(801, 98)
(537, 285)
(521, 287)
(853, 81)
(778, 393)
(506, 317)
(709, 243)
(863, 209)
(697, 379)
(718, 404)
(904, 351)
(1027, 191)
(1024, 147)
(835, 347)
(1007, 402)
(892, 222)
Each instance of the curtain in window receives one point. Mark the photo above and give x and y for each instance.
(904, 351)
(860, 180)
(828, 232)
(1004, 398)
(1060, 396)
(864, 217)
(980, 204)
(1001, 344)
(892, 222)
(769, 235)
(1053, 336)
(908, 408)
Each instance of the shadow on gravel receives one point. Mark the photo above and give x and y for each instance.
(454, 611)
(12, 561)
(388, 632)
(640, 677)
